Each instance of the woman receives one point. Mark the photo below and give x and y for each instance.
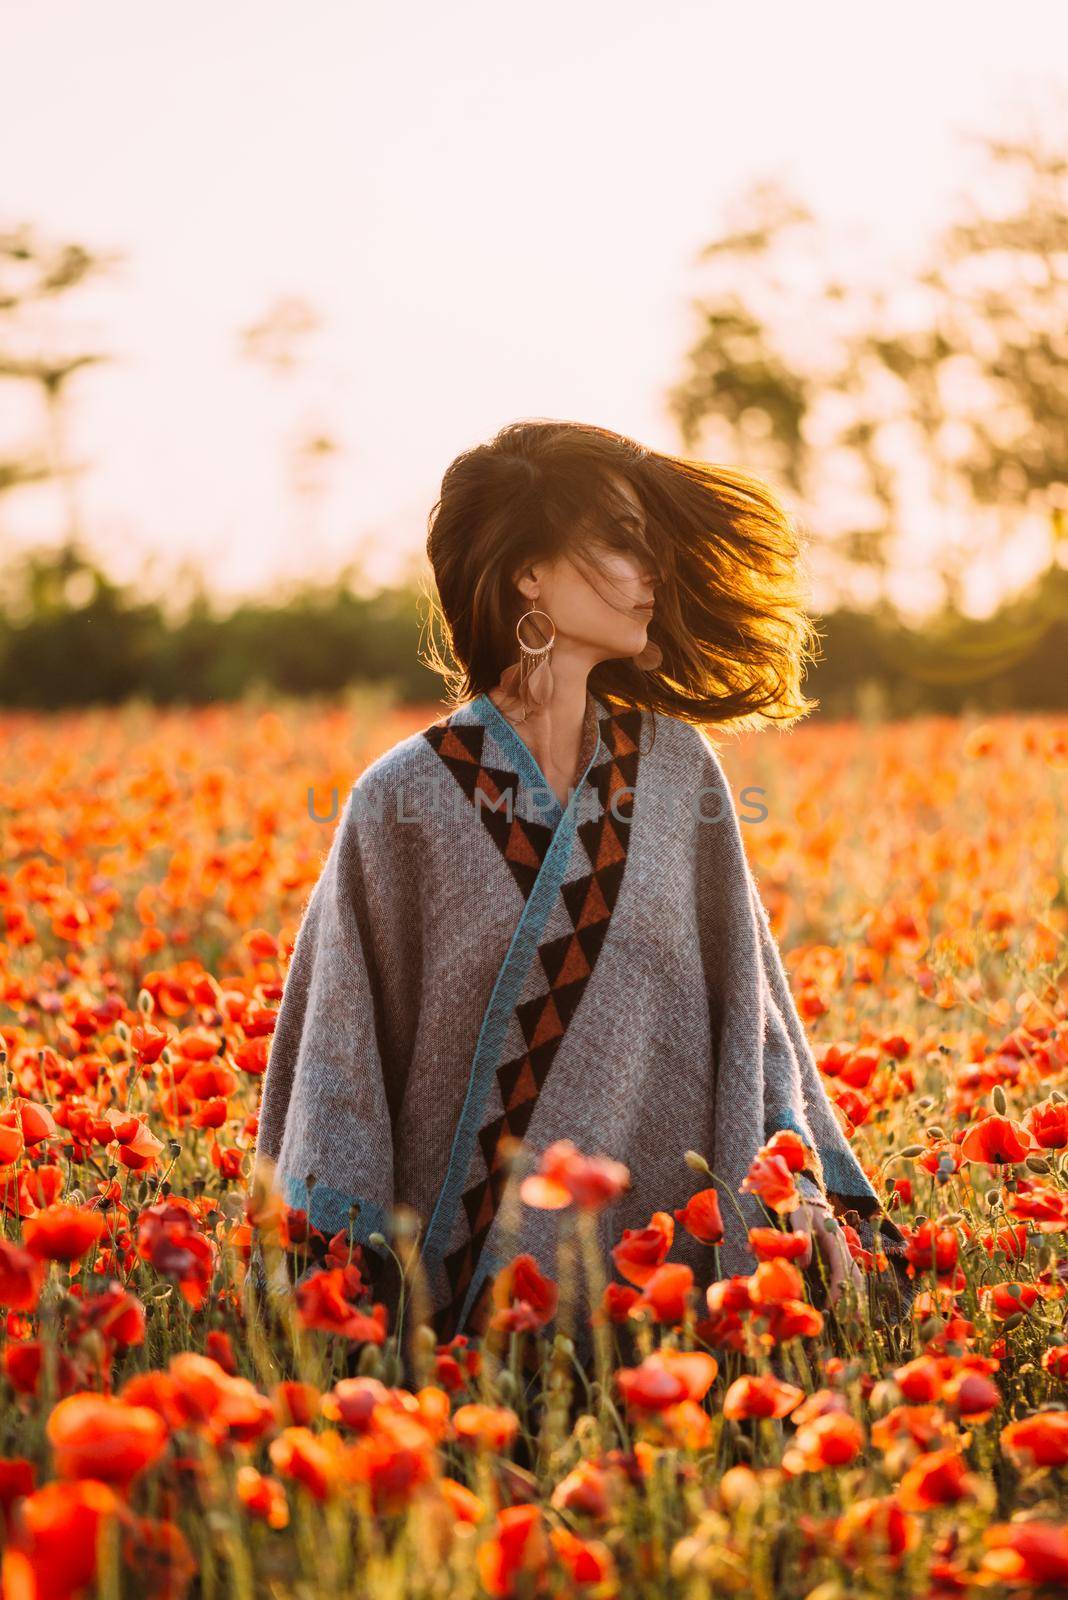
(536, 920)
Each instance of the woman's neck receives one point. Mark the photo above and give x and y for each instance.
(553, 732)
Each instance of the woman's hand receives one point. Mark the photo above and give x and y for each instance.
(831, 1243)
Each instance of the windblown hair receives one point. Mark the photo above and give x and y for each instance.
(730, 616)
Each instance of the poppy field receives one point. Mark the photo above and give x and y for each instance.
(175, 1424)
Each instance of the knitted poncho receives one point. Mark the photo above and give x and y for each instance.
(478, 963)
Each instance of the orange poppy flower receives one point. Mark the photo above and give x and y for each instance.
(487, 1427)
(464, 1504)
(769, 1243)
(262, 1497)
(96, 1436)
(761, 1396)
(667, 1292)
(295, 1402)
(224, 1407)
(771, 1180)
(790, 1146)
(775, 1280)
(793, 1319)
(921, 1381)
(63, 1233)
(394, 1459)
(11, 1138)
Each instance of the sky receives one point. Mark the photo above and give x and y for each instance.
(494, 209)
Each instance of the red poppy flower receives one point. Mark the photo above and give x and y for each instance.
(262, 1497)
(930, 1246)
(317, 1461)
(1038, 1441)
(997, 1141)
(653, 1385)
(616, 1302)
(517, 1553)
(53, 1549)
(525, 1300)
(566, 1177)
(21, 1277)
(1031, 1553)
(700, 1216)
(584, 1491)
(586, 1561)
(878, 1528)
(939, 1478)
(642, 1250)
(834, 1440)
(63, 1233)
(322, 1303)
(170, 1241)
(1048, 1124)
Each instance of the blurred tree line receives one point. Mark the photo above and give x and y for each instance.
(70, 636)
(880, 409)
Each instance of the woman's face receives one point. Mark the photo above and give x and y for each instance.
(607, 613)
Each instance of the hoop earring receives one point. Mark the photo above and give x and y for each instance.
(528, 682)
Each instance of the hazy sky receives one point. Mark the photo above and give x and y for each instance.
(494, 207)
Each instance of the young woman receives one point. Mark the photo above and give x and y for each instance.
(537, 920)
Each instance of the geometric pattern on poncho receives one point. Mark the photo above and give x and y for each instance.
(567, 963)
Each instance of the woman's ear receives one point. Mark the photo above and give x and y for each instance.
(528, 583)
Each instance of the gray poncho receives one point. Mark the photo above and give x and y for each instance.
(478, 964)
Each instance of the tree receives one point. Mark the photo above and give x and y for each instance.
(33, 273)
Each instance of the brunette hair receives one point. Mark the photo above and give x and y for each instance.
(730, 617)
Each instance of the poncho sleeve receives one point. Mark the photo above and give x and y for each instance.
(325, 1131)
